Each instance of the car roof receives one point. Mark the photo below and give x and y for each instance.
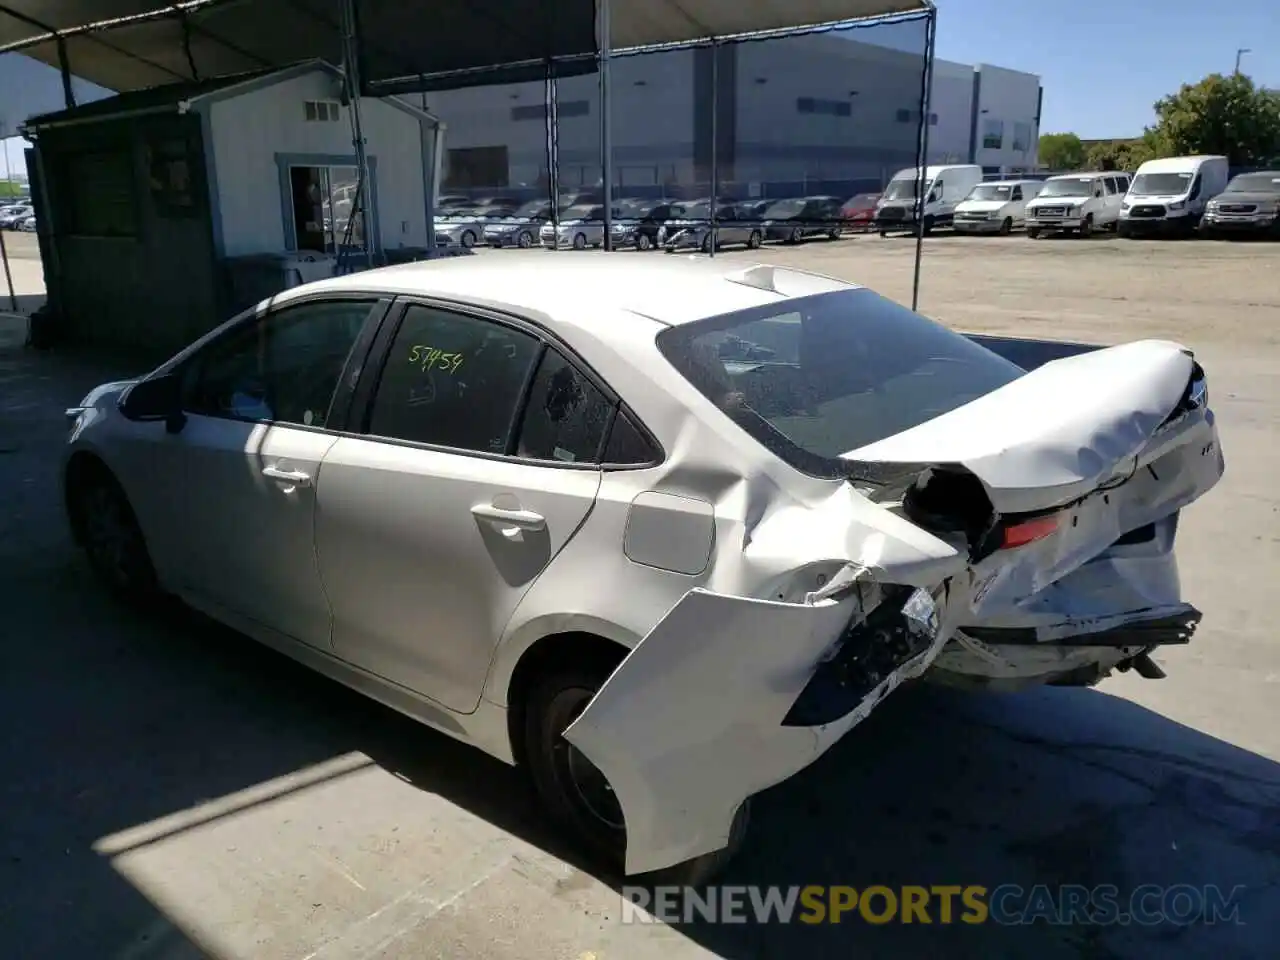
(588, 289)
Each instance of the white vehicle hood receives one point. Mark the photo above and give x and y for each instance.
(1057, 433)
(981, 206)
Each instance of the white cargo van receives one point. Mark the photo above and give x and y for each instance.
(996, 206)
(1077, 203)
(1169, 196)
(944, 188)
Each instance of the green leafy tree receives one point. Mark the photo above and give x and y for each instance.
(1227, 115)
(1127, 154)
(1061, 151)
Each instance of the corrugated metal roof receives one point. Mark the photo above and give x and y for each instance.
(127, 45)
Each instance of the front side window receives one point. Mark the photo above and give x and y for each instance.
(452, 380)
(824, 375)
(283, 367)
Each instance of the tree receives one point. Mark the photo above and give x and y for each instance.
(1127, 154)
(1220, 115)
(1061, 151)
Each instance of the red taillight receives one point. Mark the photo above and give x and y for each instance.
(1028, 531)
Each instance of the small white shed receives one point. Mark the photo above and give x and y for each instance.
(281, 165)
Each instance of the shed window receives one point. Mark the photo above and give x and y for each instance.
(171, 169)
(102, 198)
(322, 111)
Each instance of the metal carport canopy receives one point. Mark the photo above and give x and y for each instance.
(132, 44)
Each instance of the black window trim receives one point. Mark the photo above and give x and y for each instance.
(340, 403)
(361, 409)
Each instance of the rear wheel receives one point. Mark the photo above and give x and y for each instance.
(706, 243)
(643, 242)
(928, 225)
(754, 241)
(108, 531)
(468, 239)
(574, 791)
(796, 235)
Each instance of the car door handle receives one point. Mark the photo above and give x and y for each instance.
(295, 477)
(524, 519)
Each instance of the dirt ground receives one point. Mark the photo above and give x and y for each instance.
(171, 791)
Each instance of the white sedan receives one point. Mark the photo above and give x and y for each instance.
(660, 531)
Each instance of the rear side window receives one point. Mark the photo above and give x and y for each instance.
(831, 373)
(1111, 185)
(452, 380)
(567, 416)
(628, 446)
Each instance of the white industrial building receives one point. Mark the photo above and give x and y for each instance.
(814, 108)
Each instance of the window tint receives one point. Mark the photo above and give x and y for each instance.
(1110, 183)
(452, 380)
(1123, 184)
(627, 445)
(566, 416)
(1017, 193)
(284, 367)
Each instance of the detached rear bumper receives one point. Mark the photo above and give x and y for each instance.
(686, 731)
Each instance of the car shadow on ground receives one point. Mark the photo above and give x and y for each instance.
(113, 719)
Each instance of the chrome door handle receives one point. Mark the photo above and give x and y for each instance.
(295, 477)
(524, 519)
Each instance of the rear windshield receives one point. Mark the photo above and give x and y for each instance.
(820, 376)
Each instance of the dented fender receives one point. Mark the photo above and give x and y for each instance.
(699, 716)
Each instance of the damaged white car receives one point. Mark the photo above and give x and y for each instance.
(660, 531)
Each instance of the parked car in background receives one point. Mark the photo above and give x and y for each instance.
(28, 225)
(641, 223)
(660, 531)
(581, 226)
(1250, 205)
(859, 212)
(1077, 203)
(800, 218)
(1168, 197)
(996, 207)
(944, 187)
(691, 229)
(519, 229)
(10, 218)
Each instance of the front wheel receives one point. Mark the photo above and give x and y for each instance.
(754, 240)
(928, 226)
(1086, 228)
(468, 239)
(579, 241)
(574, 791)
(1033, 233)
(107, 528)
(643, 242)
(706, 243)
(1006, 228)
(525, 240)
(796, 235)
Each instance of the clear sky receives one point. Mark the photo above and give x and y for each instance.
(1103, 62)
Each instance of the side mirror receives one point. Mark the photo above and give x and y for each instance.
(156, 398)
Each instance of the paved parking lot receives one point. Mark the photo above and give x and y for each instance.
(170, 790)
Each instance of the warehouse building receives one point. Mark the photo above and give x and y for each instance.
(817, 109)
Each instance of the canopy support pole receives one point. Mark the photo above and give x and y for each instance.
(64, 65)
(606, 117)
(715, 140)
(351, 77)
(926, 95)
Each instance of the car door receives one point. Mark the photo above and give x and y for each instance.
(475, 464)
(235, 485)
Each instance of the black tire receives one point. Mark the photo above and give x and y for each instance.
(796, 235)
(884, 233)
(525, 240)
(1033, 233)
(928, 226)
(576, 794)
(643, 242)
(579, 241)
(1006, 228)
(754, 240)
(468, 239)
(835, 233)
(108, 531)
(1086, 228)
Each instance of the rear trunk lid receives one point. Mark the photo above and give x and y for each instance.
(1070, 457)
